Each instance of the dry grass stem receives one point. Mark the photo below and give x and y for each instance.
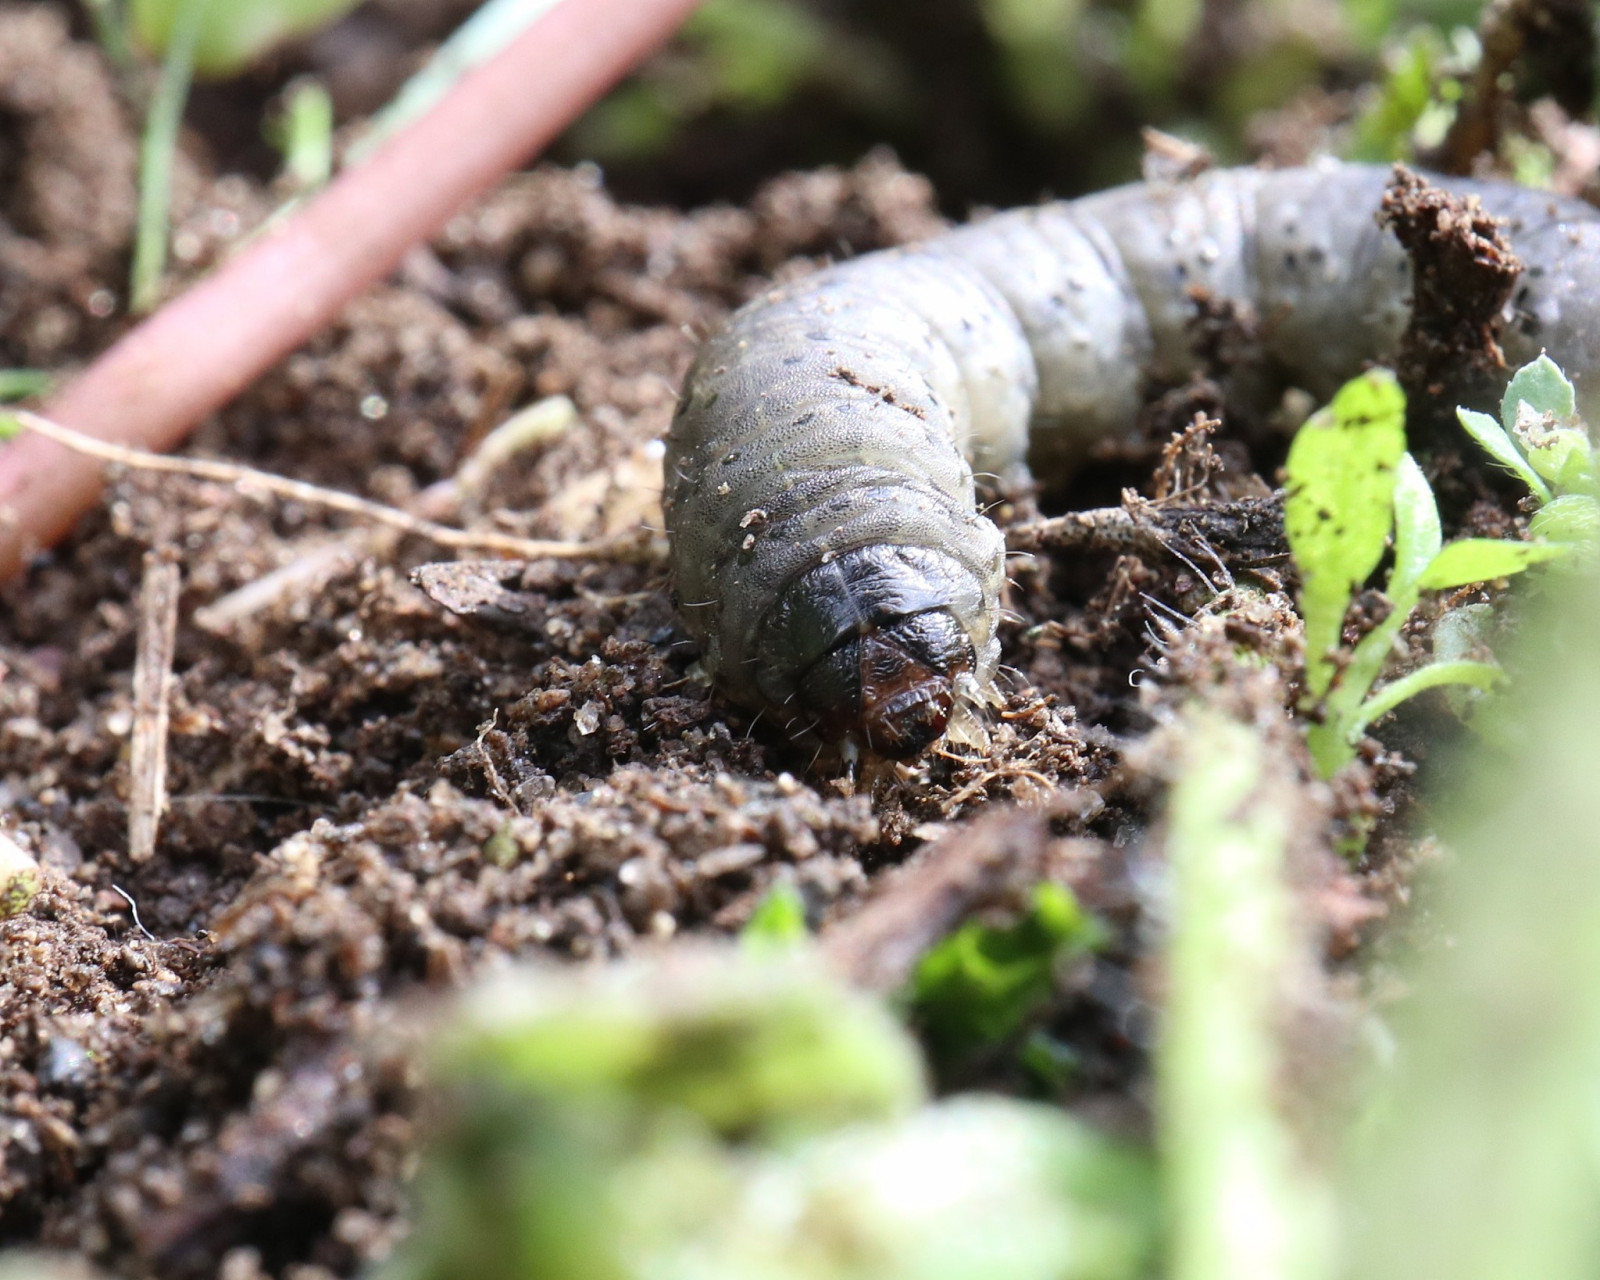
(152, 697)
(249, 481)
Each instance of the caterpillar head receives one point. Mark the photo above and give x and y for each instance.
(869, 648)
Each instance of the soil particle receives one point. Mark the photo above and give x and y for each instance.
(1463, 272)
(66, 189)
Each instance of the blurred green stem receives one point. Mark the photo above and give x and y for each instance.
(1481, 1158)
(1242, 1203)
(307, 140)
(157, 150)
(110, 19)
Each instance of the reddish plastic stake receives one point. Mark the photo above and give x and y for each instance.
(202, 349)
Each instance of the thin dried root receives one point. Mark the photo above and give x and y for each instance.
(152, 698)
(1248, 532)
(247, 480)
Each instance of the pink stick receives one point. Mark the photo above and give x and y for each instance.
(202, 349)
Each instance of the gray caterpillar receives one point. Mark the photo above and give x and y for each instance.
(826, 549)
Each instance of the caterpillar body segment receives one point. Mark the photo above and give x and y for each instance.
(826, 549)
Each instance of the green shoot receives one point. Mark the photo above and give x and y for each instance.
(157, 149)
(230, 36)
(1352, 485)
(19, 384)
(778, 922)
(1475, 1158)
(1541, 440)
(977, 987)
(1243, 1201)
(304, 134)
(1340, 507)
(110, 21)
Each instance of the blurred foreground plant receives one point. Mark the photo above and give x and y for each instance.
(722, 1116)
(230, 34)
(1481, 1160)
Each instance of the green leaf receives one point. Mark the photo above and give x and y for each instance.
(1462, 632)
(1342, 467)
(978, 986)
(1542, 386)
(1484, 559)
(1561, 454)
(1497, 444)
(304, 134)
(233, 33)
(778, 922)
(1243, 1200)
(1477, 675)
(1417, 535)
(1573, 517)
(1383, 131)
(19, 384)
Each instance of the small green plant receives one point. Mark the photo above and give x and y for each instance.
(1542, 441)
(229, 35)
(20, 384)
(1351, 486)
(977, 987)
(779, 921)
(717, 1115)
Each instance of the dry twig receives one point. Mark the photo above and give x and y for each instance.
(1246, 533)
(248, 480)
(152, 696)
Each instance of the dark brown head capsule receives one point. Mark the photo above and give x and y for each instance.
(866, 648)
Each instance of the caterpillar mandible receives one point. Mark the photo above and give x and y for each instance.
(826, 549)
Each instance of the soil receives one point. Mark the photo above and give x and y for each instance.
(372, 797)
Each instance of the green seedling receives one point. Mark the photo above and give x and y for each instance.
(210, 38)
(230, 35)
(978, 987)
(20, 384)
(1415, 102)
(778, 922)
(303, 133)
(158, 146)
(1351, 486)
(723, 1116)
(1542, 441)
(1243, 1198)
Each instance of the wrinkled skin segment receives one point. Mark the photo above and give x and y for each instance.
(826, 549)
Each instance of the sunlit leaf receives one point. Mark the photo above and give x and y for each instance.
(233, 33)
(1484, 559)
(1573, 517)
(977, 986)
(1343, 466)
(1417, 536)
(778, 921)
(1541, 385)
(1497, 444)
